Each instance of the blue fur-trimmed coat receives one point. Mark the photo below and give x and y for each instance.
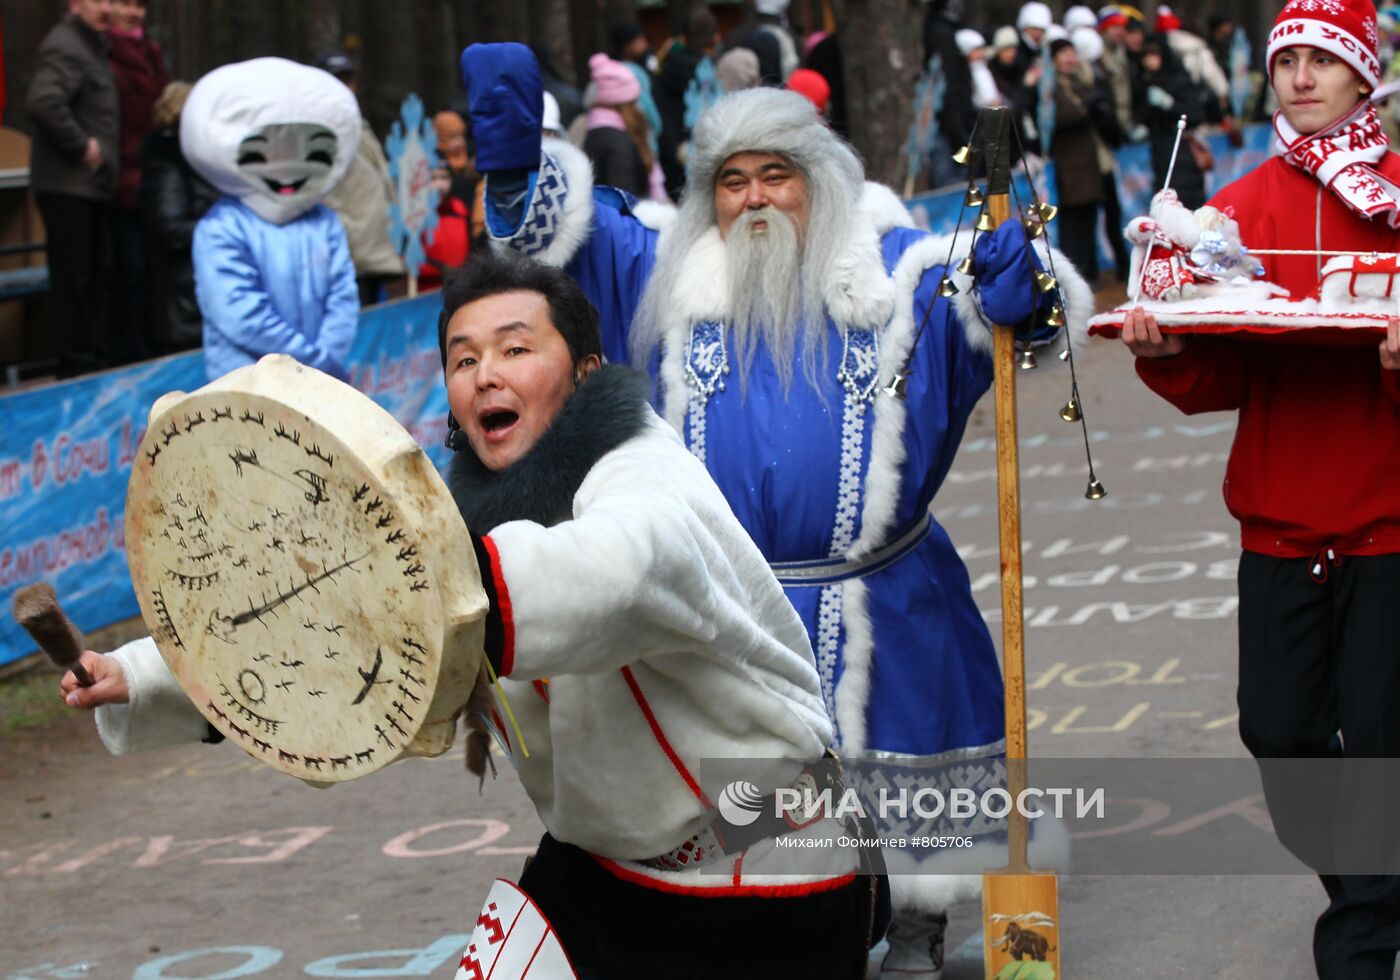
(907, 665)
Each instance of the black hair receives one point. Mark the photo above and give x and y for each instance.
(487, 274)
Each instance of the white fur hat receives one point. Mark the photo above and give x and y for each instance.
(1087, 43)
(969, 41)
(1034, 15)
(1080, 16)
(767, 120)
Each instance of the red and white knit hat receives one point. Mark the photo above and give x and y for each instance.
(1345, 28)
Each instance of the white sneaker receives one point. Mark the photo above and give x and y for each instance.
(916, 946)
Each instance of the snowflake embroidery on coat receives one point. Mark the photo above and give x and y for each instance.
(1372, 38)
(706, 364)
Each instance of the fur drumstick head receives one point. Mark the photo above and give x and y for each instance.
(36, 609)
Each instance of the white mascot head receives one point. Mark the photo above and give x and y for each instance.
(275, 134)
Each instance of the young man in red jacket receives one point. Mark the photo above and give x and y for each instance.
(1312, 475)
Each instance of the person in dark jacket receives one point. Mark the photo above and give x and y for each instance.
(1165, 94)
(1074, 149)
(173, 198)
(824, 58)
(616, 142)
(677, 69)
(139, 70)
(941, 25)
(73, 172)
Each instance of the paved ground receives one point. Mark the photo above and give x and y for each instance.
(198, 863)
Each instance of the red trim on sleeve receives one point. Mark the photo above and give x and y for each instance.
(798, 890)
(503, 604)
(739, 867)
(664, 742)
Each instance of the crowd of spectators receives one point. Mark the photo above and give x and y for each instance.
(120, 203)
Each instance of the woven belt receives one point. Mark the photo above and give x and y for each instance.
(719, 838)
(824, 571)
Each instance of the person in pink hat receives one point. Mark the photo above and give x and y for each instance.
(1312, 481)
(617, 142)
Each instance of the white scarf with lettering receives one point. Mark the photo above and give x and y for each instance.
(1342, 157)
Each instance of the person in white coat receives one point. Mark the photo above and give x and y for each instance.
(637, 631)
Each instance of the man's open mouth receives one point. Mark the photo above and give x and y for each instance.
(277, 187)
(498, 421)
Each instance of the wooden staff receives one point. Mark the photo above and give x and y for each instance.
(1015, 899)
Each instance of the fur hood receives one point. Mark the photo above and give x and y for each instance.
(609, 408)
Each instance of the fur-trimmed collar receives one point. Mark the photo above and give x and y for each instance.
(609, 408)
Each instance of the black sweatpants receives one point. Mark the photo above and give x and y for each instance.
(618, 930)
(1319, 659)
(1113, 225)
(79, 245)
(1079, 238)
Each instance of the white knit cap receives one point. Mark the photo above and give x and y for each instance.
(1005, 37)
(1034, 14)
(1055, 33)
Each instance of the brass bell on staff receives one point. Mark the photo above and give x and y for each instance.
(1034, 227)
(961, 154)
(1056, 317)
(1096, 490)
(1026, 360)
(1047, 211)
(974, 198)
(985, 222)
(947, 287)
(1044, 281)
(1070, 412)
(965, 267)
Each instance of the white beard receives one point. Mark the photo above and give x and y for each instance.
(769, 297)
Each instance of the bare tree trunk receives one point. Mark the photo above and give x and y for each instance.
(324, 32)
(549, 21)
(255, 29)
(880, 49)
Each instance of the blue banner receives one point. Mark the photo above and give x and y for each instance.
(66, 452)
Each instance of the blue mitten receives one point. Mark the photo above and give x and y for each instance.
(506, 99)
(1005, 263)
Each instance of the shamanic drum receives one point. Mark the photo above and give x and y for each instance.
(304, 571)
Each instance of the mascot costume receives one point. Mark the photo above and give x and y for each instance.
(273, 271)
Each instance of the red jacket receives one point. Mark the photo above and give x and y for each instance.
(1314, 464)
(141, 77)
(451, 242)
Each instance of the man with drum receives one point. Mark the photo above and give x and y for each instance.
(777, 314)
(1311, 475)
(637, 631)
